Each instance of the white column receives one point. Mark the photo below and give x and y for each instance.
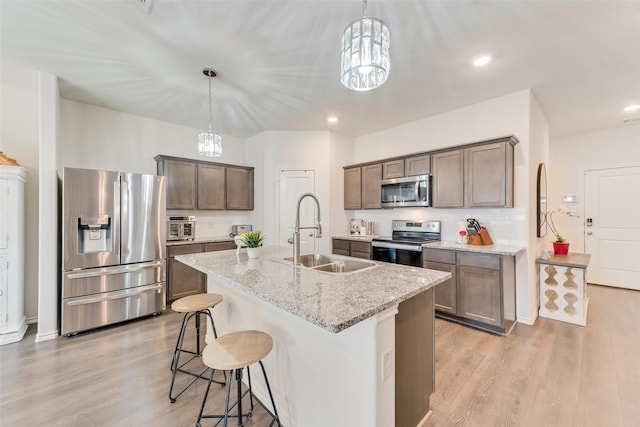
(48, 272)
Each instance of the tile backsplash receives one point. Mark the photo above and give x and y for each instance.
(506, 226)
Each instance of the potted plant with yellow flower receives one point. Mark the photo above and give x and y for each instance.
(252, 240)
(560, 245)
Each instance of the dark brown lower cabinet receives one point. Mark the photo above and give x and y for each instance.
(184, 280)
(481, 291)
(352, 248)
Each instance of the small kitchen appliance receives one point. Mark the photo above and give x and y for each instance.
(237, 230)
(406, 242)
(181, 227)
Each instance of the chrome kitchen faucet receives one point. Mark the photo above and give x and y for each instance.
(296, 233)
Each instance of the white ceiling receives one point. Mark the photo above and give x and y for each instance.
(278, 61)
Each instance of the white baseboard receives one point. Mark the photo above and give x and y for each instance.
(47, 336)
(15, 335)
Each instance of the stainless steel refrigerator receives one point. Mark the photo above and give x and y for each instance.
(113, 246)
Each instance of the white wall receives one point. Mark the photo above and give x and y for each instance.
(19, 140)
(99, 138)
(510, 114)
(571, 156)
(271, 151)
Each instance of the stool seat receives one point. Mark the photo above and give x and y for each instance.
(196, 302)
(237, 350)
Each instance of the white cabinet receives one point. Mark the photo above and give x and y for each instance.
(12, 320)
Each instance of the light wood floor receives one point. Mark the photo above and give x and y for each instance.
(549, 374)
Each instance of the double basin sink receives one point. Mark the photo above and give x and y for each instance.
(330, 264)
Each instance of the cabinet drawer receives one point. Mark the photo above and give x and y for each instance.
(340, 244)
(360, 247)
(363, 255)
(219, 246)
(185, 249)
(439, 255)
(469, 259)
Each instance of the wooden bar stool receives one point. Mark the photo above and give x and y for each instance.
(234, 352)
(192, 306)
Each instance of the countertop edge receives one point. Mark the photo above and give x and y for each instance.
(486, 249)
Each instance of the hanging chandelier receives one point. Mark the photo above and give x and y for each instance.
(365, 53)
(209, 143)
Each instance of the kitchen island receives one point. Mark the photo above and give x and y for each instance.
(345, 345)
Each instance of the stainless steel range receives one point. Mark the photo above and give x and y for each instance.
(406, 242)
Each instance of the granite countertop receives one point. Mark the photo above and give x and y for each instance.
(367, 238)
(331, 301)
(200, 240)
(485, 249)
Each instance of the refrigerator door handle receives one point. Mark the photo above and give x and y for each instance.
(115, 270)
(124, 219)
(115, 295)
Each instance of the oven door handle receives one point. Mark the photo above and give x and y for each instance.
(125, 293)
(413, 248)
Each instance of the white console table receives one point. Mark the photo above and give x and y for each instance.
(563, 287)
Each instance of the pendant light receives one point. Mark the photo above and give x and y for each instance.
(365, 53)
(209, 143)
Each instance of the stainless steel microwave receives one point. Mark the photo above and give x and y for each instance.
(405, 192)
(181, 228)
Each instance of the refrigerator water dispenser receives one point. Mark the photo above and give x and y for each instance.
(94, 233)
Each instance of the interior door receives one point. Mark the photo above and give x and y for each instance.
(612, 226)
(293, 184)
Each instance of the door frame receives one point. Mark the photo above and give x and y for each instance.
(278, 171)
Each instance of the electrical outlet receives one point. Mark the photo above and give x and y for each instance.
(387, 364)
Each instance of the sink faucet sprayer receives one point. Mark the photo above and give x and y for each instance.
(296, 233)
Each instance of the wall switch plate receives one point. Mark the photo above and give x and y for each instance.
(387, 364)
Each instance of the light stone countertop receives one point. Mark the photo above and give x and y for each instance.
(200, 240)
(485, 249)
(331, 301)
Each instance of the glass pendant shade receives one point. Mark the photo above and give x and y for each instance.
(210, 144)
(365, 54)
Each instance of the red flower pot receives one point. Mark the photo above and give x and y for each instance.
(560, 248)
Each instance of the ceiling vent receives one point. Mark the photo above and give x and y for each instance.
(635, 119)
(145, 5)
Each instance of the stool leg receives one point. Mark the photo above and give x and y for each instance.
(250, 389)
(275, 411)
(226, 404)
(178, 341)
(198, 332)
(204, 399)
(239, 387)
(213, 324)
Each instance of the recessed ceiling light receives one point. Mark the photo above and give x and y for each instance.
(630, 108)
(332, 119)
(482, 60)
